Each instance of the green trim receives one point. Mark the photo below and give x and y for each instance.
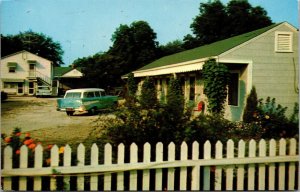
(209, 50)
(32, 61)
(12, 64)
(13, 80)
(60, 71)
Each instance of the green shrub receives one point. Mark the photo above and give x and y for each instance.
(251, 106)
(148, 98)
(216, 78)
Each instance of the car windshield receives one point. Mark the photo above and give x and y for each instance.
(73, 95)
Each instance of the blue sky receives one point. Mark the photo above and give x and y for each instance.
(85, 27)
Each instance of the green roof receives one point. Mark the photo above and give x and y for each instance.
(208, 50)
(60, 71)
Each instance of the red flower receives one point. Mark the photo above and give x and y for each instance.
(18, 152)
(32, 146)
(27, 134)
(28, 141)
(18, 134)
(7, 139)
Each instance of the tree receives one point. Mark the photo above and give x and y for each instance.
(131, 90)
(171, 48)
(133, 46)
(251, 107)
(216, 78)
(208, 26)
(217, 21)
(175, 99)
(148, 98)
(36, 43)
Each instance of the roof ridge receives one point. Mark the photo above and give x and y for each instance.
(208, 50)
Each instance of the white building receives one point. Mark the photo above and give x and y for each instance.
(23, 72)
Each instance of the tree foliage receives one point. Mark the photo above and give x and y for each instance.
(148, 98)
(36, 43)
(216, 78)
(134, 45)
(217, 21)
(175, 99)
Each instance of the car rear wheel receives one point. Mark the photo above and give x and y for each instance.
(70, 113)
(92, 111)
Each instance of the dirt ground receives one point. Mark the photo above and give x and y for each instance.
(39, 117)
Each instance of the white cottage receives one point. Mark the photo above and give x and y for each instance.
(23, 72)
(266, 58)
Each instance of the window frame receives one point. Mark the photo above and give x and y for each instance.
(277, 47)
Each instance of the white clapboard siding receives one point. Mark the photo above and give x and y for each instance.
(264, 160)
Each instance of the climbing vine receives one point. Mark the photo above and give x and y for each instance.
(216, 78)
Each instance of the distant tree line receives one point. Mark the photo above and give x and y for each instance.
(135, 45)
(36, 43)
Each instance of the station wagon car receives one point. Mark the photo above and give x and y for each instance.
(85, 100)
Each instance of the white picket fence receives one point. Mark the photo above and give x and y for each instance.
(263, 165)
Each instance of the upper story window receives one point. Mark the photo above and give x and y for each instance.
(283, 41)
(12, 67)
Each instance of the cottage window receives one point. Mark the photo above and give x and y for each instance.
(283, 41)
(233, 89)
(11, 67)
(10, 85)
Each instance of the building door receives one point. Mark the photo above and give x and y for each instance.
(31, 88)
(20, 88)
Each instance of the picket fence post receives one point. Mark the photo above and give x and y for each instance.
(183, 170)
(241, 168)
(218, 171)
(67, 163)
(133, 174)
(94, 162)
(23, 164)
(107, 161)
(81, 162)
(282, 152)
(121, 160)
(262, 167)
(158, 172)
(38, 163)
(272, 153)
(251, 167)
(8, 165)
(146, 173)
(196, 169)
(206, 177)
(54, 163)
(171, 171)
(229, 169)
(292, 166)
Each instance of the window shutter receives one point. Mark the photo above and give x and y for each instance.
(283, 42)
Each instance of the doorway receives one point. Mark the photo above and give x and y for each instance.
(31, 88)
(20, 88)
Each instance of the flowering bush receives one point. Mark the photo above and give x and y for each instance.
(17, 139)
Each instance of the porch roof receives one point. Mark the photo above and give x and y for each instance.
(12, 80)
(60, 71)
(205, 51)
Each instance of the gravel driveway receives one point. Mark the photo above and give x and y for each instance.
(39, 117)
